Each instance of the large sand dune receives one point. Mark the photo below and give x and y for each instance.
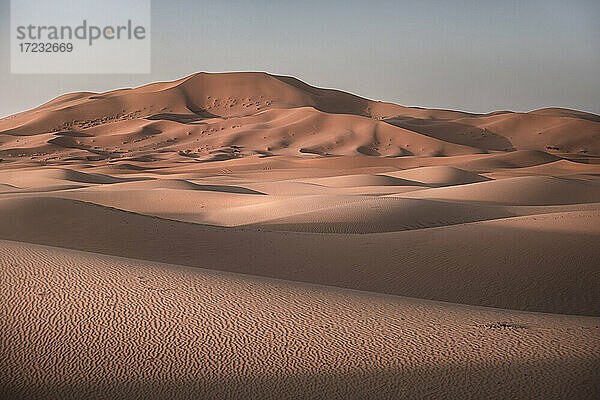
(545, 262)
(222, 116)
(287, 241)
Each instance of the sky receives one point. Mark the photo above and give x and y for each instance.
(477, 56)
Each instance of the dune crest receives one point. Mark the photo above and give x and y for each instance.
(212, 117)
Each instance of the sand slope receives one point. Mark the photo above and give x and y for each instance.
(439, 175)
(526, 190)
(153, 331)
(545, 262)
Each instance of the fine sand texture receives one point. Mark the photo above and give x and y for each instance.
(250, 236)
(92, 326)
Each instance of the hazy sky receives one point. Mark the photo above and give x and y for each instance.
(469, 55)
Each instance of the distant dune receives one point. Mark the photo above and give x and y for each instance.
(250, 236)
(223, 116)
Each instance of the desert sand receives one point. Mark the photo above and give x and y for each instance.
(246, 235)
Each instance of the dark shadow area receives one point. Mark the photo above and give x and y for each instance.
(73, 133)
(368, 151)
(306, 150)
(223, 188)
(180, 118)
(454, 132)
(465, 379)
(330, 100)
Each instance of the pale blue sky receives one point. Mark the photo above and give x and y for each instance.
(469, 55)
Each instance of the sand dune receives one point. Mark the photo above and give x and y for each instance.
(211, 117)
(154, 331)
(564, 168)
(439, 175)
(526, 190)
(538, 263)
(362, 180)
(517, 159)
(381, 215)
(231, 180)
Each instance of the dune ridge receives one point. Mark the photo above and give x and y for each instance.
(223, 116)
